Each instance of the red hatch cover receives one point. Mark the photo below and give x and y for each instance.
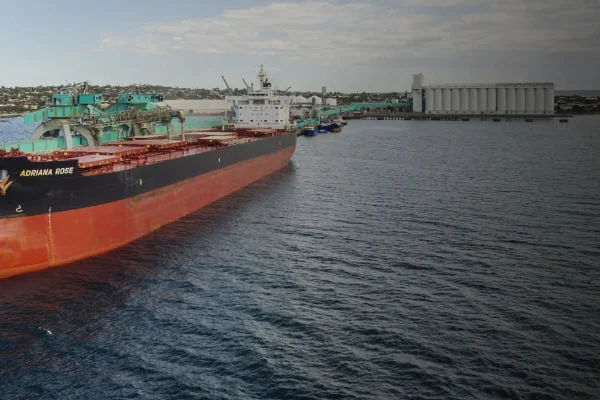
(91, 161)
(121, 151)
(147, 137)
(208, 133)
(230, 137)
(156, 144)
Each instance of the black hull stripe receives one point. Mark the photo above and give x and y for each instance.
(36, 195)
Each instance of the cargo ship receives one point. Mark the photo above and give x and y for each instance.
(62, 205)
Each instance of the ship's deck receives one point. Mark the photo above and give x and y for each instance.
(134, 152)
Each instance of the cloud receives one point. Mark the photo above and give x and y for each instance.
(375, 32)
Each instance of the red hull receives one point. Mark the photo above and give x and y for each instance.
(35, 243)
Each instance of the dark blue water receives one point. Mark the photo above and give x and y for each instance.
(397, 259)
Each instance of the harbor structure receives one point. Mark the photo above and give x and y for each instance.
(506, 98)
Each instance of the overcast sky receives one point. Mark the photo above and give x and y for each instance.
(346, 45)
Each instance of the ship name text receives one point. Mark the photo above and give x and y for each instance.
(47, 171)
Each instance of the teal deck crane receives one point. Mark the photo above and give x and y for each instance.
(75, 110)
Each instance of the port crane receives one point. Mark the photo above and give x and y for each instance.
(248, 87)
(226, 84)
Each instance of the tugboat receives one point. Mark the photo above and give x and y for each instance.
(335, 126)
(324, 126)
(309, 131)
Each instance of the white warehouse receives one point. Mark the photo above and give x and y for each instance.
(531, 98)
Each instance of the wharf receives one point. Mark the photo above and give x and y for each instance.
(386, 115)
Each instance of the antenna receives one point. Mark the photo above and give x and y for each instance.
(261, 76)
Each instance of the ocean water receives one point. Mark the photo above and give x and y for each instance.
(13, 129)
(394, 260)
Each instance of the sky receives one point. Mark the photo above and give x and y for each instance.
(346, 45)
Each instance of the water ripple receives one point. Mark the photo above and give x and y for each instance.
(399, 259)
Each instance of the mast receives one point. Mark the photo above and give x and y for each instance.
(261, 76)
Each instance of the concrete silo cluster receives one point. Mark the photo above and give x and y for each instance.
(531, 98)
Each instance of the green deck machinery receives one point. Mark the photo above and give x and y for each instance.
(80, 117)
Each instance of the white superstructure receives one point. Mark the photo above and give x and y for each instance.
(485, 98)
(261, 108)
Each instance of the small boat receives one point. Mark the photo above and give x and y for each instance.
(309, 131)
(496, 120)
(464, 119)
(528, 120)
(563, 120)
(323, 126)
(335, 127)
(341, 122)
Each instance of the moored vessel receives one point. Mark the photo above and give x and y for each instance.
(335, 127)
(323, 126)
(65, 204)
(309, 131)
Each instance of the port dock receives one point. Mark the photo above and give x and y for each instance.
(401, 111)
(386, 115)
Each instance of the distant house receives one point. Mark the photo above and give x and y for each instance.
(301, 100)
(316, 100)
(200, 107)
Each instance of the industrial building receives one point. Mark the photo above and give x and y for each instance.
(533, 98)
(314, 100)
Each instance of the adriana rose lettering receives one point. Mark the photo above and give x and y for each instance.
(47, 172)
(64, 171)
